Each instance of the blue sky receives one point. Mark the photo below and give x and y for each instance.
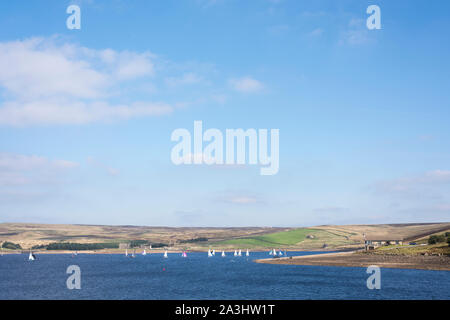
(86, 115)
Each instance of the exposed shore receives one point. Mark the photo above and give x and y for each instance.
(356, 259)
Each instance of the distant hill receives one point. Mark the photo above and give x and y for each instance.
(29, 235)
(319, 237)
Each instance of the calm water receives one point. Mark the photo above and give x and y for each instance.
(199, 277)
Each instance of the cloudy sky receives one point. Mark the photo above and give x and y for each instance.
(86, 115)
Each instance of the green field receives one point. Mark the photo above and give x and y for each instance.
(291, 238)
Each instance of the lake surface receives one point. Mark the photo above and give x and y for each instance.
(200, 277)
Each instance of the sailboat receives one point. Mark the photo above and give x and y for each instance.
(184, 255)
(235, 253)
(240, 253)
(210, 253)
(223, 254)
(270, 252)
(214, 252)
(165, 254)
(126, 252)
(280, 253)
(31, 257)
(247, 254)
(144, 253)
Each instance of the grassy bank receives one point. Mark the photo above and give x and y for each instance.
(307, 238)
(435, 249)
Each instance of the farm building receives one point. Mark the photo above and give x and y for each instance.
(372, 243)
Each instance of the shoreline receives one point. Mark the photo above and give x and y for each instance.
(138, 252)
(362, 260)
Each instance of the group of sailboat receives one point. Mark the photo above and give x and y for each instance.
(211, 253)
(274, 253)
(239, 253)
(144, 253)
(133, 255)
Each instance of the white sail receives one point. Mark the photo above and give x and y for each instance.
(31, 257)
(235, 253)
(144, 253)
(247, 253)
(165, 254)
(210, 253)
(223, 253)
(240, 253)
(126, 252)
(280, 253)
(214, 252)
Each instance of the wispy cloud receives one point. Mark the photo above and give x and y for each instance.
(19, 169)
(414, 185)
(59, 112)
(356, 33)
(332, 210)
(420, 195)
(185, 79)
(246, 85)
(240, 198)
(316, 32)
(100, 165)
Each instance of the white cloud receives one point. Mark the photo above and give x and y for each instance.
(45, 82)
(132, 65)
(246, 85)
(36, 68)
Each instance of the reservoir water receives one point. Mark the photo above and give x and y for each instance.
(200, 277)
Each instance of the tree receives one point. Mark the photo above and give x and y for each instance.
(10, 245)
(436, 239)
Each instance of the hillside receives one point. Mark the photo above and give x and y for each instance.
(314, 238)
